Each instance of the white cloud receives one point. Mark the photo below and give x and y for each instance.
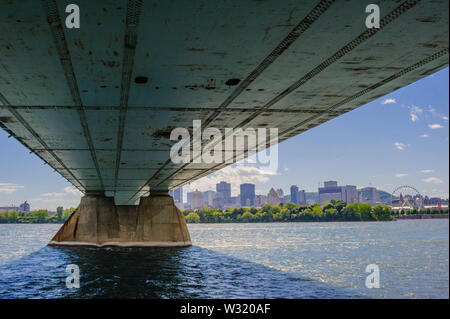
(415, 111)
(400, 175)
(52, 203)
(433, 112)
(435, 126)
(442, 193)
(433, 180)
(235, 175)
(389, 101)
(72, 191)
(424, 136)
(425, 171)
(54, 194)
(9, 188)
(54, 199)
(400, 146)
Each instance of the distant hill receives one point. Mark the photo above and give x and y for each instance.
(314, 196)
(384, 197)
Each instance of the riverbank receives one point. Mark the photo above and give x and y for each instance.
(422, 216)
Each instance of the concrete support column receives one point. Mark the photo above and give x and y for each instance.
(97, 222)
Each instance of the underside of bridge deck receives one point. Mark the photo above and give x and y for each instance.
(98, 103)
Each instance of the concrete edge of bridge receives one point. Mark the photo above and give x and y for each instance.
(120, 244)
(98, 222)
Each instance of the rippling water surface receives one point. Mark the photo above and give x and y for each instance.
(278, 260)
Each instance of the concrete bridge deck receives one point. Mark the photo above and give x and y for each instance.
(98, 103)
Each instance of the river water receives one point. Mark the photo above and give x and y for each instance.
(276, 260)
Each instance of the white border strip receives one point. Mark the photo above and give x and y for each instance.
(123, 244)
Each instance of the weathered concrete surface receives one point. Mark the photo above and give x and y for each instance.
(97, 222)
(71, 96)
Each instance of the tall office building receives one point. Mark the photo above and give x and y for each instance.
(260, 200)
(330, 184)
(273, 198)
(188, 197)
(208, 198)
(331, 190)
(301, 197)
(177, 194)
(223, 190)
(368, 195)
(247, 195)
(294, 194)
(196, 200)
(280, 193)
(349, 194)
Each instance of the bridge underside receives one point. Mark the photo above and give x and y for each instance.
(98, 103)
(70, 95)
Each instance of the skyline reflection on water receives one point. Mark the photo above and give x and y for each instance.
(277, 260)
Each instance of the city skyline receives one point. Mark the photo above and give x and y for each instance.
(399, 139)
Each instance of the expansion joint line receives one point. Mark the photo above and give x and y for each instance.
(130, 42)
(57, 30)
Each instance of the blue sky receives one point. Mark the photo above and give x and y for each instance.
(399, 139)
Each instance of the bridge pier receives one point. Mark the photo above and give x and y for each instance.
(98, 222)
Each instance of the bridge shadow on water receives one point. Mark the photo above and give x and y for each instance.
(192, 272)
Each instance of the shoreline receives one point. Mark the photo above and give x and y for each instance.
(404, 217)
(422, 216)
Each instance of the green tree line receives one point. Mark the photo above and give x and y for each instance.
(334, 210)
(36, 217)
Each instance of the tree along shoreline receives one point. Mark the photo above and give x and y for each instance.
(332, 211)
(37, 217)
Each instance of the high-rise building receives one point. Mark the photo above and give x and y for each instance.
(368, 195)
(280, 193)
(301, 197)
(349, 194)
(273, 198)
(218, 202)
(294, 194)
(189, 197)
(223, 190)
(196, 200)
(208, 198)
(177, 195)
(330, 184)
(260, 200)
(235, 202)
(247, 195)
(331, 190)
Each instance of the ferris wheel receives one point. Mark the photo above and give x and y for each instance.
(406, 201)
